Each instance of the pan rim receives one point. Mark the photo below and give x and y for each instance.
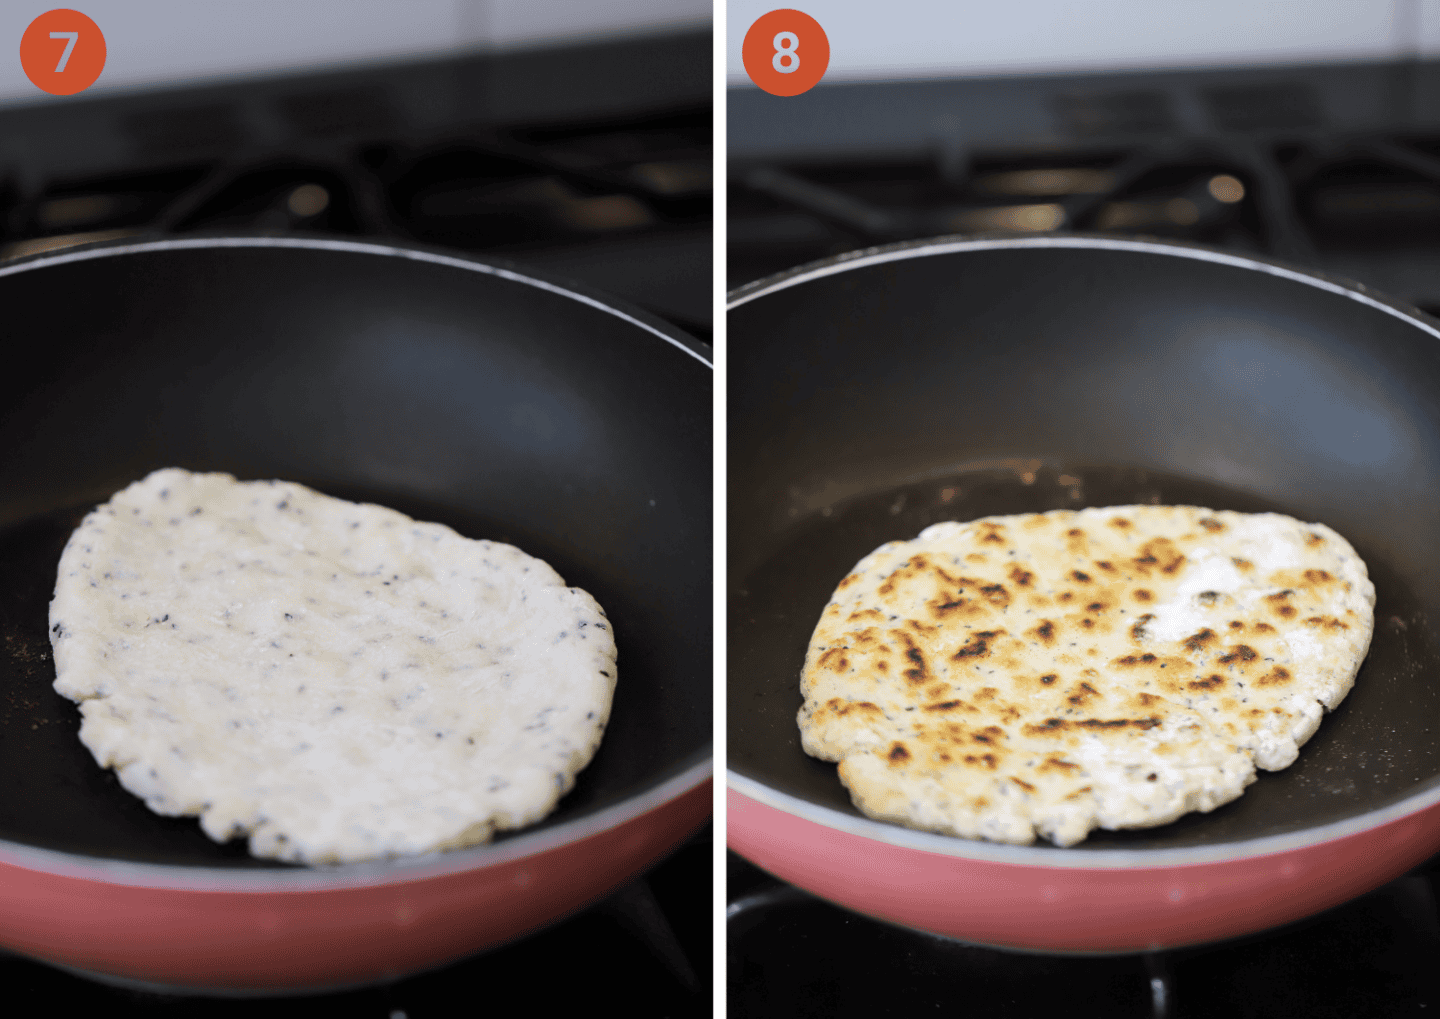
(1055, 858)
(1042, 857)
(106, 249)
(370, 874)
(378, 873)
(954, 243)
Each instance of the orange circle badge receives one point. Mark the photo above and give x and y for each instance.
(62, 52)
(786, 52)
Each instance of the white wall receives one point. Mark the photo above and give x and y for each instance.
(154, 43)
(877, 39)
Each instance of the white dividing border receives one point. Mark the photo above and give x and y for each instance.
(184, 877)
(353, 247)
(1043, 856)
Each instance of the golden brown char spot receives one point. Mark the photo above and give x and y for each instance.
(976, 558)
(1279, 603)
(1049, 678)
(1211, 524)
(1059, 764)
(851, 579)
(1076, 541)
(1199, 641)
(1208, 683)
(1158, 551)
(1313, 539)
(937, 690)
(1120, 723)
(1235, 624)
(843, 707)
(943, 706)
(1264, 628)
(1022, 784)
(924, 629)
(1242, 564)
(1088, 623)
(1121, 523)
(984, 760)
(1327, 622)
(1129, 660)
(994, 534)
(1045, 632)
(943, 606)
(834, 659)
(883, 665)
(1078, 577)
(996, 594)
(1143, 595)
(920, 671)
(978, 646)
(898, 754)
(1318, 576)
(1274, 677)
(866, 614)
(1067, 596)
(1022, 578)
(1239, 653)
(1083, 693)
(1107, 567)
(1146, 700)
(1052, 726)
(1078, 793)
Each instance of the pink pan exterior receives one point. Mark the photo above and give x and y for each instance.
(253, 930)
(1110, 901)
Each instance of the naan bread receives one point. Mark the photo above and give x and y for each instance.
(1053, 673)
(335, 680)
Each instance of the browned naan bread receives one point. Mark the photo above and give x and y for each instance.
(1053, 673)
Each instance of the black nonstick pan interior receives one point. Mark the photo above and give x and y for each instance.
(1011, 377)
(504, 409)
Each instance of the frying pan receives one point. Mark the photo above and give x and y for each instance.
(874, 394)
(506, 405)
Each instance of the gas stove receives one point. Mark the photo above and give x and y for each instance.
(1335, 168)
(590, 163)
(790, 953)
(1332, 168)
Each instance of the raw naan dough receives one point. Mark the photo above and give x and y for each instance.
(1053, 673)
(335, 680)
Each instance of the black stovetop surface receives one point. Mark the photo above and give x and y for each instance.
(1335, 168)
(791, 954)
(591, 163)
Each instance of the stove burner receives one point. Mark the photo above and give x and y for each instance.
(1271, 162)
(618, 197)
